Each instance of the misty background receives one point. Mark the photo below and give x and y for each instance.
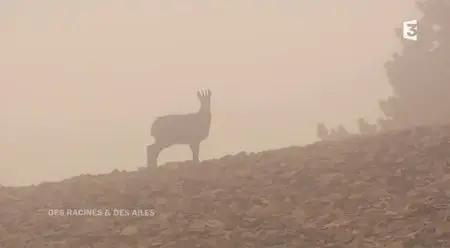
(82, 81)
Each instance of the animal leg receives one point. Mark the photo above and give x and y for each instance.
(195, 147)
(151, 159)
(153, 152)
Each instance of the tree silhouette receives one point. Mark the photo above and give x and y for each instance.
(420, 76)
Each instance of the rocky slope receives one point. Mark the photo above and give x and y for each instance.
(390, 190)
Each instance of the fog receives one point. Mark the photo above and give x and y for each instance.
(82, 81)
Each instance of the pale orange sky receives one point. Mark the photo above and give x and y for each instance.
(82, 81)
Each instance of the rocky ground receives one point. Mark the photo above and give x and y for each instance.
(390, 190)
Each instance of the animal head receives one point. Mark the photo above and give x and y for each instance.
(205, 98)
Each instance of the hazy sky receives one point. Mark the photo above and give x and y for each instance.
(81, 81)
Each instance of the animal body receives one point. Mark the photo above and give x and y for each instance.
(187, 129)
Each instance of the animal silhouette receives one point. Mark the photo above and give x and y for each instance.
(187, 129)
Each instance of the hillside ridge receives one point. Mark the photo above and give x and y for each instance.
(387, 190)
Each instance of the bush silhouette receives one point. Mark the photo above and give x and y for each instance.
(322, 131)
(366, 128)
(333, 134)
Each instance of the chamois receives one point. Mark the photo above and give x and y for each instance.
(188, 129)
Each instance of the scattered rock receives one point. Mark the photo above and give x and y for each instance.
(387, 190)
(129, 230)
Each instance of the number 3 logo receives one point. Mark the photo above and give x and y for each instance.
(410, 30)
